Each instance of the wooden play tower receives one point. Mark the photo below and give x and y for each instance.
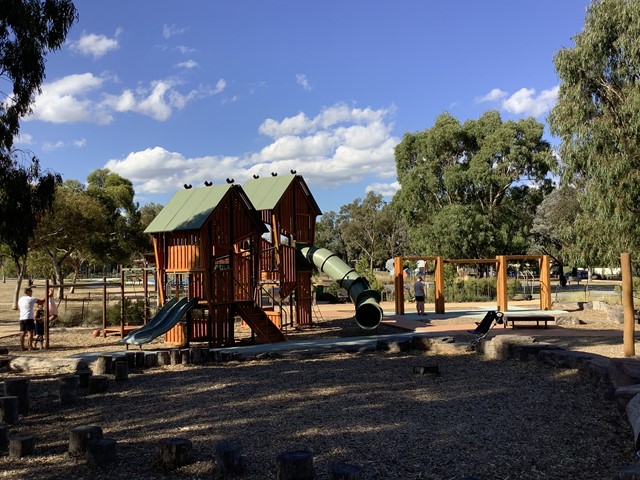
(289, 211)
(207, 245)
(234, 249)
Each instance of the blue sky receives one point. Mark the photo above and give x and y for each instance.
(167, 93)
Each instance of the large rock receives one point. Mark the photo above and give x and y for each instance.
(568, 320)
(500, 347)
(47, 365)
(624, 371)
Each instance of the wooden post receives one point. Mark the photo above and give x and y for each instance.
(98, 384)
(22, 445)
(627, 303)
(4, 436)
(174, 452)
(398, 283)
(69, 389)
(502, 283)
(123, 305)
(10, 411)
(46, 314)
(101, 451)
(121, 370)
(294, 465)
(104, 304)
(545, 283)
(20, 388)
(439, 285)
(343, 471)
(102, 365)
(229, 458)
(79, 438)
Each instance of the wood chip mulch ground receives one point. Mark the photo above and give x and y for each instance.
(489, 419)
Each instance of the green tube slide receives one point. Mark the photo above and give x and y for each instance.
(366, 300)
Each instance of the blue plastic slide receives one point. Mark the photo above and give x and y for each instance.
(168, 316)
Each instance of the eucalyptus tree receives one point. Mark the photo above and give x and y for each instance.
(470, 190)
(597, 117)
(29, 30)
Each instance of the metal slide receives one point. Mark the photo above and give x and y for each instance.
(368, 310)
(168, 316)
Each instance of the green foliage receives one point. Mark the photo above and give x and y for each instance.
(134, 313)
(596, 117)
(463, 191)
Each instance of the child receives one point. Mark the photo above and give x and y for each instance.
(39, 329)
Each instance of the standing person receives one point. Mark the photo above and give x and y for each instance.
(53, 309)
(418, 289)
(27, 323)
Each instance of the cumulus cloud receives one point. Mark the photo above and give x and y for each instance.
(340, 145)
(492, 96)
(67, 100)
(387, 190)
(96, 46)
(82, 98)
(524, 102)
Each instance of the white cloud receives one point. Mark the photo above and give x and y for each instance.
(81, 98)
(492, 96)
(301, 79)
(340, 145)
(184, 49)
(79, 143)
(387, 190)
(220, 86)
(50, 146)
(189, 64)
(23, 139)
(95, 46)
(171, 30)
(67, 100)
(525, 101)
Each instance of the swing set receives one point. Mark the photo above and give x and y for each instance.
(501, 263)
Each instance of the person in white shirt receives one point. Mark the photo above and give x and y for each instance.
(418, 289)
(53, 309)
(27, 323)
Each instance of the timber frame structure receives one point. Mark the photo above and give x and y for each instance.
(288, 209)
(207, 245)
(500, 262)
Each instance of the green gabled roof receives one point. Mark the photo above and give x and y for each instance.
(265, 193)
(188, 209)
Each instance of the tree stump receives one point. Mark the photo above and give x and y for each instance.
(69, 389)
(4, 436)
(174, 452)
(186, 356)
(83, 378)
(174, 357)
(18, 387)
(22, 445)
(150, 360)
(121, 371)
(131, 359)
(102, 365)
(163, 358)
(140, 359)
(229, 458)
(196, 356)
(342, 471)
(98, 384)
(79, 438)
(294, 465)
(10, 410)
(101, 451)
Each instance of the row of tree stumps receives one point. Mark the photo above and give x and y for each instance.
(88, 441)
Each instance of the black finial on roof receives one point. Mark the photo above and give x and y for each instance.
(230, 180)
(187, 186)
(274, 174)
(293, 172)
(207, 183)
(256, 176)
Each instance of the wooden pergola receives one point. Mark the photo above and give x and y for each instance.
(501, 262)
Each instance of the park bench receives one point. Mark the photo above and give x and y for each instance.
(538, 318)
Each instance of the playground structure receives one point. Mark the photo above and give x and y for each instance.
(501, 263)
(243, 252)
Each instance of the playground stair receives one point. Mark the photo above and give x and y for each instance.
(260, 323)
